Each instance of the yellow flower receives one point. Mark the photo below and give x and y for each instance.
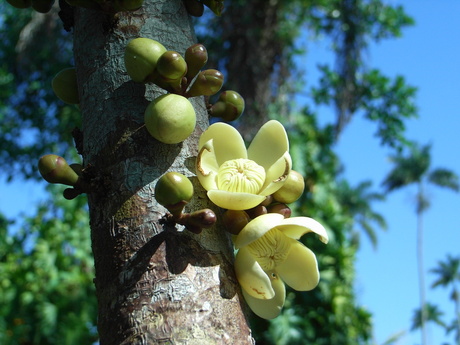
(237, 178)
(269, 255)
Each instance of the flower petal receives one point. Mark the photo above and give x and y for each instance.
(252, 277)
(271, 308)
(296, 227)
(227, 142)
(256, 228)
(276, 175)
(269, 144)
(206, 166)
(233, 200)
(300, 269)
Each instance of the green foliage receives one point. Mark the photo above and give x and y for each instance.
(46, 269)
(34, 121)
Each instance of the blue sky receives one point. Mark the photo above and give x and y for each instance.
(428, 56)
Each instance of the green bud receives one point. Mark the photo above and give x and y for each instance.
(54, 169)
(207, 83)
(127, 5)
(170, 118)
(171, 66)
(173, 190)
(234, 221)
(194, 7)
(65, 86)
(20, 3)
(229, 106)
(141, 57)
(292, 189)
(196, 57)
(42, 6)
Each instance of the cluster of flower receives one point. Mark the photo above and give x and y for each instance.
(251, 182)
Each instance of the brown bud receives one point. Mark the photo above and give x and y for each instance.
(54, 169)
(207, 83)
(196, 57)
(234, 221)
(281, 209)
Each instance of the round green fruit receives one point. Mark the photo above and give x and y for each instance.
(291, 190)
(170, 118)
(20, 3)
(65, 86)
(173, 188)
(141, 57)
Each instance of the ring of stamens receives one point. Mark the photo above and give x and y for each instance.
(270, 250)
(241, 175)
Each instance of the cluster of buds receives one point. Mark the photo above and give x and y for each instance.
(171, 118)
(174, 191)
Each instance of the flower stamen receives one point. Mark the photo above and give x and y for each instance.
(271, 249)
(241, 176)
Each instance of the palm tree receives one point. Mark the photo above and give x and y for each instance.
(448, 273)
(432, 313)
(357, 202)
(414, 168)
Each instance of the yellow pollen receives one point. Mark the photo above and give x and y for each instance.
(271, 249)
(241, 175)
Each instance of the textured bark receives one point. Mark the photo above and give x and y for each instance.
(155, 283)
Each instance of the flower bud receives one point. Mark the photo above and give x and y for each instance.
(173, 190)
(200, 219)
(234, 221)
(65, 86)
(196, 57)
(170, 118)
(141, 57)
(71, 193)
(42, 6)
(281, 209)
(194, 7)
(256, 211)
(20, 3)
(171, 66)
(54, 169)
(207, 83)
(229, 106)
(292, 189)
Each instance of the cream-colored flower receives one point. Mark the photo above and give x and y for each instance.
(270, 255)
(237, 178)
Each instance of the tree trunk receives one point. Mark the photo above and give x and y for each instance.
(155, 283)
